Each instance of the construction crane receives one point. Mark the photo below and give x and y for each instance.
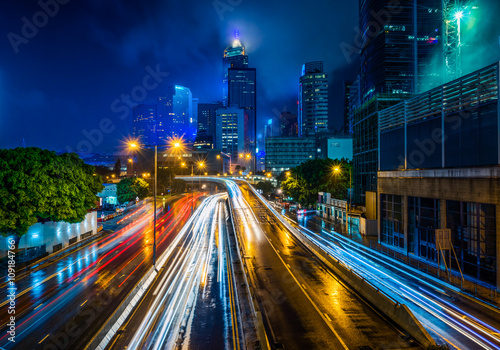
(454, 11)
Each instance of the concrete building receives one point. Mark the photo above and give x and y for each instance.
(439, 168)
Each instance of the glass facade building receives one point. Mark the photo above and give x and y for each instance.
(313, 100)
(401, 46)
(144, 124)
(229, 135)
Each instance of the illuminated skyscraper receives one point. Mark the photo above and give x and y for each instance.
(240, 91)
(182, 108)
(144, 124)
(313, 99)
(234, 57)
(229, 131)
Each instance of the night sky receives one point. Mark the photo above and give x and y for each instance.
(66, 77)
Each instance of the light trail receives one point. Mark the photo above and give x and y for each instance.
(178, 287)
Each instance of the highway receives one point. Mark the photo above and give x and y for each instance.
(448, 314)
(304, 305)
(186, 271)
(64, 303)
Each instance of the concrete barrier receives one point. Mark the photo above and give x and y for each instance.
(257, 314)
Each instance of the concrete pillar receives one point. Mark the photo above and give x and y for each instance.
(442, 213)
(405, 222)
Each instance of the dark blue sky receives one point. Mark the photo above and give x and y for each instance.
(65, 77)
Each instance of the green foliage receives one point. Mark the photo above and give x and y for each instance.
(37, 185)
(265, 186)
(165, 178)
(178, 186)
(317, 175)
(129, 188)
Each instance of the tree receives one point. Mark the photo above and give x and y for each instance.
(129, 188)
(265, 186)
(117, 170)
(165, 178)
(178, 186)
(317, 175)
(38, 185)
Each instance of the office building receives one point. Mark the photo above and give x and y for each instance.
(313, 99)
(144, 124)
(234, 57)
(240, 90)
(193, 119)
(206, 117)
(439, 168)
(229, 131)
(347, 86)
(400, 42)
(242, 94)
(182, 108)
(288, 125)
(284, 153)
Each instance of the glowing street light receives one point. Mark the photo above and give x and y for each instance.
(459, 15)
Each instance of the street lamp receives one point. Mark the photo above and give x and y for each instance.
(338, 170)
(134, 145)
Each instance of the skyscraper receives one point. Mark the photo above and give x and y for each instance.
(206, 117)
(313, 99)
(288, 124)
(347, 93)
(401, 40)
(182, 108)
(229, 134)
(164, 117)
(240, 91)
(193, 119)
(234, 57)
(144, 124)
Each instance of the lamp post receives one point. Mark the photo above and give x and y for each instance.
(338, 170)
(134, 145)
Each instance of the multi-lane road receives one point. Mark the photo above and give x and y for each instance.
(184, 275)
(62, 304)
(304, 305)
(196, 300)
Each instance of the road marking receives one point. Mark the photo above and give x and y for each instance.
(303, 286)
(77, 279)
(288, 265)
(328, 318)
(38, 306)
(309, 298)
(40, 342)
(83, 303)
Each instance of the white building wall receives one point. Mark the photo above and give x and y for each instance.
(53, 233)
